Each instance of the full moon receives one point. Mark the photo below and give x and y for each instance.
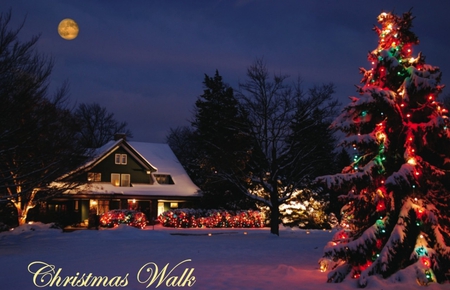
(68, 29)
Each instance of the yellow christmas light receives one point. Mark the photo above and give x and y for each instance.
(381, 136)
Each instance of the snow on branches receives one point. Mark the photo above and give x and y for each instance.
(396, 192)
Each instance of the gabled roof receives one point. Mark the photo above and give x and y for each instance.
(156, 157)
(101, 153)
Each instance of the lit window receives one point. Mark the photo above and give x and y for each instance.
(103, 206)
(94, 177)
(124, 180)
(115, 179)
(174, 205)
(121, 159)
(120, 179)
(163, 178)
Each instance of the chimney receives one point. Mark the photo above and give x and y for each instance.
(119, 136)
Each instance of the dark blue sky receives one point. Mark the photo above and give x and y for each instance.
(145, 60)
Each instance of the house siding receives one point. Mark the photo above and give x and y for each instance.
(138, 174)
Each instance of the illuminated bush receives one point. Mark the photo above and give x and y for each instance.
(115, 217)
(200, 218)
(304, 209)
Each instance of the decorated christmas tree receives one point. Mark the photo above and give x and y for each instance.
(396, 193)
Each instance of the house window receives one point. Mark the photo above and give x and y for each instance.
(124, 180)
(163, 178)
(118, 179)
(121, 159)
(115, 179)
(103, 206)
(161, 208)
(94, 176)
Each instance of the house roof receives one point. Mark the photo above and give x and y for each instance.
(155, 156)
(102, 152)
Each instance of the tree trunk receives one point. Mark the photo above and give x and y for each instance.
(21, 213)
(23, 207)
(274, 212)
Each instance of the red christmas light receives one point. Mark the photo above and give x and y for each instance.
(426, 261)
(379, 243)
(420, 212)
(381, 206)
(189, 218)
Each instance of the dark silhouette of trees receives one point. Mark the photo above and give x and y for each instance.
(98, 126)
(290, 135)
(38, 134)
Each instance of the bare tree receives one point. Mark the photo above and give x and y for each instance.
(98, 126)
(287, 128)
(37, 133)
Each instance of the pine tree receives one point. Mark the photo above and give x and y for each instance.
(396, 192)
(222, 143)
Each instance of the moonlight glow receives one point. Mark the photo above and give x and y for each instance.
(68, 29)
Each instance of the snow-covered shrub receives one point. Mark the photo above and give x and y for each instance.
(304, 209)
(212, 218)
(120, 216)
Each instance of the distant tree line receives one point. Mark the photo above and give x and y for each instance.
(258, 144)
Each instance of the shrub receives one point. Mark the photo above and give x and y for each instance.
(115, 217)
(212, 218)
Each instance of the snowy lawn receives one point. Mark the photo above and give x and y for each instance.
(130, 258)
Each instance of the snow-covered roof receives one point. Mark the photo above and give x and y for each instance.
(160, 157)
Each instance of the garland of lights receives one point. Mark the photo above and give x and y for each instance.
(200, 218)
(396, 109)
(129, 217)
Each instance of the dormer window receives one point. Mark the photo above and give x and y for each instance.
(163, 178)
(121, 159)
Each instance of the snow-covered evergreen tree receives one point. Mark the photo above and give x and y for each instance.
(305, 209)
(397, 190)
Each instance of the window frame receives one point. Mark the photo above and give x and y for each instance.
(120, 159)
(121, 179)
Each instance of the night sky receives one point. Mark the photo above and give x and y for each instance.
(145, 60)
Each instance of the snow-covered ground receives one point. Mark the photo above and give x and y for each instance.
(34, 256)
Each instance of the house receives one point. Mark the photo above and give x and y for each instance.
(126, 175)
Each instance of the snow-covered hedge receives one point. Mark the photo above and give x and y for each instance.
(212, 218)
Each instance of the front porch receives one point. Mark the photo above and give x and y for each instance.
(76, 211)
